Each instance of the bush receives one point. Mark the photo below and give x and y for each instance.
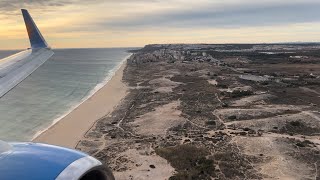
(189, 161)
(211, 123)
(233, 117)
(240, 93)
(295, 123)
(224, 86)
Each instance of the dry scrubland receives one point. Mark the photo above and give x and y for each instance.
(215, 111)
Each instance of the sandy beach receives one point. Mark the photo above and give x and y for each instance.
(69, 130)
(196, 118)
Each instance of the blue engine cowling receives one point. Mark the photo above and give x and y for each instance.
(36, 161)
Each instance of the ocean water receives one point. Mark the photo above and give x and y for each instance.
(59, 85)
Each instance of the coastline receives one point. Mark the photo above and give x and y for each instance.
(100, 102)
(178, 115)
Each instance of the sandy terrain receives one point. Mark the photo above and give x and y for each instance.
(69, 130)
(139, 166)
(279, 165)
(252, 99)
(197, 119)
(159, 121)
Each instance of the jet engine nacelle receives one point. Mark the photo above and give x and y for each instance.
(35, 161)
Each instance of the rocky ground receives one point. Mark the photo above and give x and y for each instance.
(215, 112)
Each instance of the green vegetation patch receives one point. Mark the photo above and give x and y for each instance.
(189, 161)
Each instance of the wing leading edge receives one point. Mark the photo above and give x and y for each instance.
(17, 67)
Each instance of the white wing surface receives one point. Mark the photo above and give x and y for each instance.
(17, 67)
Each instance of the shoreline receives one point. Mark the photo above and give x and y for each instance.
(178, 115)
(100, 102)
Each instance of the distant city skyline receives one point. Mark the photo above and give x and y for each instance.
(134, 23)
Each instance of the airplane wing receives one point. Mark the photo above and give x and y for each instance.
(17, 67)
(37, 161)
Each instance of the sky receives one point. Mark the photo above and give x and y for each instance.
(135, 23)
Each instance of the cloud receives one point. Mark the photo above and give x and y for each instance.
(12, 7)
(141, 14)
(72, 23)
(225, 16)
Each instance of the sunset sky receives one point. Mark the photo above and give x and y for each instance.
(134, 23)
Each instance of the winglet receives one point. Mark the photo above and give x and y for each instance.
(36, 39)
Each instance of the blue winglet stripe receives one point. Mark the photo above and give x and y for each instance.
(36, 39)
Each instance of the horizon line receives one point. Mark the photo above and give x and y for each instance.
(119, 47)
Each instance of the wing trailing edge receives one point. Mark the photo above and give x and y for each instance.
(35, 36)
(14, 69)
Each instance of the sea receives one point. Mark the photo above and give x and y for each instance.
(61, 84)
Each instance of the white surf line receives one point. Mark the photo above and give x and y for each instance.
(84, 99)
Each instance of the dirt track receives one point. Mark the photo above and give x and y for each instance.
(202, 112)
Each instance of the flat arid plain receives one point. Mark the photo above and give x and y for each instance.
(214, 112)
